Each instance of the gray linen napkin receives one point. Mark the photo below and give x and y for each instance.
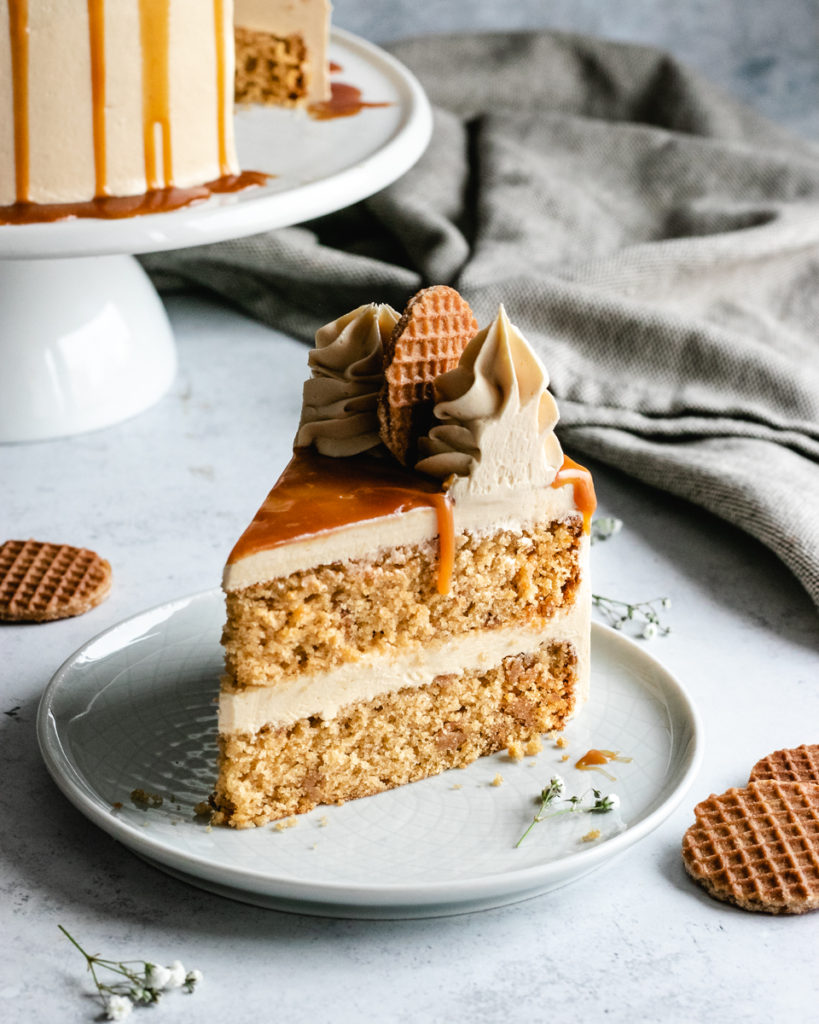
(657, 242)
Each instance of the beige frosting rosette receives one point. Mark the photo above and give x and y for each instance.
(497, 418)
(339, 410)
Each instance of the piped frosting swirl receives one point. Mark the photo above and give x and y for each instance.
(339, 410)
(497, 418)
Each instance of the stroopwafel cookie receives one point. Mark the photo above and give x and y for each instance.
(798, 764)
(758, 847)
(427, 341)
(40, 582)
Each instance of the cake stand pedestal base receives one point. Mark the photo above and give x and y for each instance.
(84, 343)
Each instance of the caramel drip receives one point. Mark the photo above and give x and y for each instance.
(446, 541)
(345, 100)
(221, 90)
(96, 38)
(155, 30)
(118, 207)
(18, 37)
(317, 494)
(580, 478)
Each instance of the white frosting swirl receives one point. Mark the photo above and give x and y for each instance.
(339, 409)
(497, 418)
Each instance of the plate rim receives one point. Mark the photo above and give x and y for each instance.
(221, 218)
(77, 789)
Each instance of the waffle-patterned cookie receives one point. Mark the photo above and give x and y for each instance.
(40, 582)
(758, 847)
(800, 764)
(427, 341)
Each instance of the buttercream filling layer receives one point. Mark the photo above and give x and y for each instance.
(324, 694)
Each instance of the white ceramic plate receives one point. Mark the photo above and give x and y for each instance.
(318, 167)
(134, 708)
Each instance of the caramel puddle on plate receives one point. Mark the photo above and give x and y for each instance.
(593, 761)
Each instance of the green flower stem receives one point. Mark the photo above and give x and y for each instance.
(547, 795)
(646, 612)
(602, 805)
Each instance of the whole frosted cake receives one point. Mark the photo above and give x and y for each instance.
(103, 99)
(413, 593)
(113, 98)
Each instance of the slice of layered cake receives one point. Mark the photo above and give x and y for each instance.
(413, 593)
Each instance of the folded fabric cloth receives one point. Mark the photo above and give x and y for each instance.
(657, 242)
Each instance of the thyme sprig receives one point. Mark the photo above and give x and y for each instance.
(601, 803)
(143, 981)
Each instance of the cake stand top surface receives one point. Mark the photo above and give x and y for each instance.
(317, 166)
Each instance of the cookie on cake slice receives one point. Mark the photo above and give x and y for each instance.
(427, 342)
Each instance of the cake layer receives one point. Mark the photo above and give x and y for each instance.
(394, 739)
(113, 97)
(325, 695)
(295, 31)
(317, 619)
(270, 69)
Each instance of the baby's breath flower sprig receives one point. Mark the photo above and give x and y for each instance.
(547, 796)
(143, 981)
(643, 614)
(603, 527)
(601, 803)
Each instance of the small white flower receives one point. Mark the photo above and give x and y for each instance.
(650, 630)
(118, 1007)
(157, 976)
(192, 978)
(666, 602)
(605, 527)
(613, 801)
(176, 975)
(558, 783)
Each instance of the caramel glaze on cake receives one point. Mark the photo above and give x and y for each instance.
(316, 494)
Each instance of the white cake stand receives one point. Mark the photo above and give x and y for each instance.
(84, 338)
